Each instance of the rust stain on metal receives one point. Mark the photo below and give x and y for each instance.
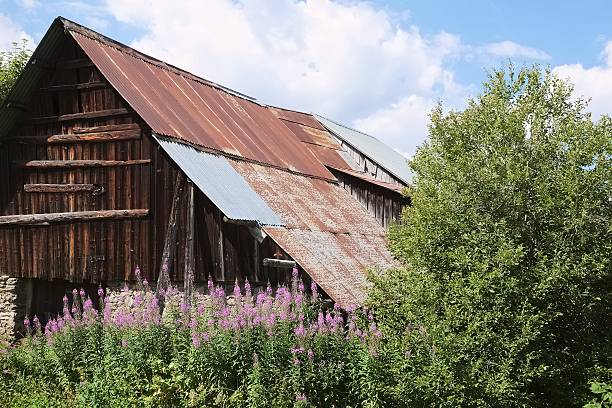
(297, 117)
(177, 104)
(327, 232)
(370, 179)
(337, 262)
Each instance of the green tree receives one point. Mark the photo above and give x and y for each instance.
(506, 249)
(12, 63)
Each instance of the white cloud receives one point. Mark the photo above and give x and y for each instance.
(400, 122)
(347, 60)
(11, 32)
(28, 4)
(510, 49)
(594, 82)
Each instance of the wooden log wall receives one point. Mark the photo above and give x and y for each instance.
(86, 193)
(385, 205)
(79, 151)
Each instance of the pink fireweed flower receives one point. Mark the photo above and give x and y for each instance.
(300, 397)
(210, 285)
(196, 340)
(37, 325)
(137, 273)
(145, 283)
(314, 290)
(124, 343)
(299, 330)
(269, 290)
(296, 361)
(237, 292)
(247, 288)
(82, 293)
(297, 350)
(310, 354)
(301, 286)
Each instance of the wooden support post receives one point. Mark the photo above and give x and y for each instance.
(188, 276)
(163, 280)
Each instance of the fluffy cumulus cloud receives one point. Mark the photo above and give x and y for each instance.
(510, 49)
(346, 60)
(594, 82)
(10, 32)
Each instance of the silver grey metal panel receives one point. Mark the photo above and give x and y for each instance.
(218, 180)
(376, 150)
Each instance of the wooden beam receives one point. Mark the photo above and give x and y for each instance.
(59, 188)
(106, 128)
(74, 87)
(188, 276)
(69, 164)
(79, 116)
(97, 137)
(163, 280)
(74, 63)
(41, 219)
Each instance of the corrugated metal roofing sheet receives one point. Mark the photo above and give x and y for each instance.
(177, 104)
(218, 180)
(376, 150)
(337, 262)
(366, 177)
(308, 204)
(328, 233)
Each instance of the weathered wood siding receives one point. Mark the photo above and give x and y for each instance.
(385, 205)
(36, 178)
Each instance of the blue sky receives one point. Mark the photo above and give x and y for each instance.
(377, 65)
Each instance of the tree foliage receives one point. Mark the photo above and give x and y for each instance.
(506, 248)
(12, 63)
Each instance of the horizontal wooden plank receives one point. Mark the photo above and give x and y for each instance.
(58, 188)
(96, 137)
(41, 219)
(106, 128)
(74, 64)
(74, 87)
(66, 164)
(79, 116)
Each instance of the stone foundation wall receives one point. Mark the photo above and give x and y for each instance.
(14, 298)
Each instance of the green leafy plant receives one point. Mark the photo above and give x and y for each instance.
(603, 393)
(506, 249)
(12, 63)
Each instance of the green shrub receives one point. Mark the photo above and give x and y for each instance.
(507, 249)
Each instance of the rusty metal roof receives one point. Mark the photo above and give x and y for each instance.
(328, 233)
(366, 177)
(337, 262)
(371, 147)
(177, 104)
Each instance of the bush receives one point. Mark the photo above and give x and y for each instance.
(507, 249)
(259, 351)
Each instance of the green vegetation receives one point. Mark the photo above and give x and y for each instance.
(11, 64)
(507, 250)
(504, 298)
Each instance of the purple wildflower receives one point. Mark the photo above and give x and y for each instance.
(196, 340)
(310, 354)
(124, 343)
(247, 289)
(100, 292)
(210, 285)
(315, 292)
(300, 397)
(299, 331)
(137, 273)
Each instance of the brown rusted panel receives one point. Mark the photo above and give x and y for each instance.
(301, 118)
(312, 136)
(177, 104)
(308, 203)
(337, 262)
(397, 188)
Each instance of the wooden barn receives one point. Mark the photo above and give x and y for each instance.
(111, 159)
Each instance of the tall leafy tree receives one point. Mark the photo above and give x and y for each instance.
(12, 63)
(506, 250)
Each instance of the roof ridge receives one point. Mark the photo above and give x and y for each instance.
(316, 115)
(126, 49)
